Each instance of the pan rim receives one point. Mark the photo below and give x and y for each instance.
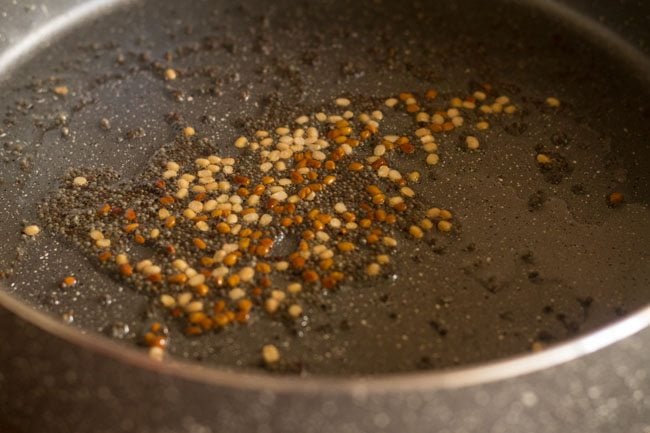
(460, 377)
(453, 378)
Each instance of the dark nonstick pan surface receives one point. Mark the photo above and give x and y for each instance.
(536, 258)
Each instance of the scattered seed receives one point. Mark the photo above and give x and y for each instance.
(472, 142)
(61, 90)
(615, 199)
(416, 232)
(391, 102)
(270, 354)
(103, 243)
(373, 269)
(342, 102)
(167, 301)
(543, 159)
(156, 353)
(552, 101)
(69, 281)
(80, 181)
(188, 131)
(170, 74)
(432, 159)
(32, 230)
(295, 311)
(294, 288)
(271, 305)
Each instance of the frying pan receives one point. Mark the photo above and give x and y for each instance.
(63, 378)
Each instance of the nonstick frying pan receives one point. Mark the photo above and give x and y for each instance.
(234, 56)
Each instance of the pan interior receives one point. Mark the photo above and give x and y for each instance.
(536, 259)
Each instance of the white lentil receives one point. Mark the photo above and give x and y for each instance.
(383, 259)
(294, 288)
(194, 307)
(270, 354)
(236, 293)
(156, 353)
(342, 102)
(408, 192)
(391, 102)
(196, 280)
(271, 305)
(196, 206)
(373, 269)
(184, 298)
(241, 142)
(432, 159)
(32, 230)
(295, 310)
(430, 147)
(167, 301)
(103, 243)
(80, 181)
(379, 150)
(472, 142)
(552, 101)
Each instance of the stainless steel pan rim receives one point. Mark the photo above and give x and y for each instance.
(448, 379)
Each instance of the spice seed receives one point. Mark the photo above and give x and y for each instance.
(432, 159)
(552, 102)
(373, 269)
(444, 226)
(170, 74)
(615, 199)
(270, 354)
(32, 230)
(61, 90)
(543, 159)
(188, 131)
(342, 102)
(472, 142)
(295, 311)
(80, 181)
(416, 232)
